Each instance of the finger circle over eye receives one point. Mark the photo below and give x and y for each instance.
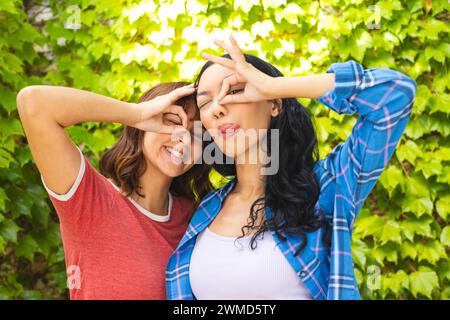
(181, 92)
(180, 112)
(224, 89)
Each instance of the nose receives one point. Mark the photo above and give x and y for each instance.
(218, 110)
(182, 135)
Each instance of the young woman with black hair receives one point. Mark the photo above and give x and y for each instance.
(286, 235)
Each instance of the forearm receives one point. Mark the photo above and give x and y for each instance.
(69, 106)
(311, 87)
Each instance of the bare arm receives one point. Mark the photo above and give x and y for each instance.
(46, 110)
(311, 86)
(260, 86)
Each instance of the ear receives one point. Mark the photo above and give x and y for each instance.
(276, 107)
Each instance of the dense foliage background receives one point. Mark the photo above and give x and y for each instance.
(120, 48)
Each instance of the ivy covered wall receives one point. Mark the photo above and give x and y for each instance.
(120, 48)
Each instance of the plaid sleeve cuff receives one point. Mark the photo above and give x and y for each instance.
(348, 78)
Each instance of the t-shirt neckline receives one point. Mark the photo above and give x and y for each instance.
(147, 213)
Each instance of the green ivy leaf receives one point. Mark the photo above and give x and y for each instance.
(8, 101)
(443, 205)
(359, 252)
(40, 215)
(387, 252)
(442, 104)
(420, 226)
(395, 282)
(8, 230)
(5, 158)
(391, 232)
(423, 282)
(121, 52)
(435, 53)
(429, 167)
(10, 127)
(408, 250)
(418, 206)
(3, 198)
(369, 226)
(9, 6)
(408, 151)
(415, 129)
(27, 247)
(431, 251)
(2, 246)
(444, 270)
(445, 236)
(391, 177)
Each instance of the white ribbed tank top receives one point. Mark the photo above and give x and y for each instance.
(225, 268)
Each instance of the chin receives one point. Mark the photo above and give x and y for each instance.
(234, 154)
(172, 173)
(171, 169)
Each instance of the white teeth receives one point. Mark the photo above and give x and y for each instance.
(174, 152)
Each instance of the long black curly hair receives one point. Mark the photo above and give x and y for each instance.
(293, 191)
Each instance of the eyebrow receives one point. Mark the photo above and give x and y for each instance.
(206, 92)
(202, 93)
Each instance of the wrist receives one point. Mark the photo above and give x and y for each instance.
(310, 87)
(274, 87)
(133, 114)
(277, 88)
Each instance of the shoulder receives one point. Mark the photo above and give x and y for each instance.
(214, 198)
(218, 194)
(182, 205)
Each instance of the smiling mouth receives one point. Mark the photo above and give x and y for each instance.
(175, 155)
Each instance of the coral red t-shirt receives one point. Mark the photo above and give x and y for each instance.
(114, 248)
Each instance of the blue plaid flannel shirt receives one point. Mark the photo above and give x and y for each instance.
(383, 99)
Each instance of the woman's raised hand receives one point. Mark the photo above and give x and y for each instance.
(161, 114)
(257, 84)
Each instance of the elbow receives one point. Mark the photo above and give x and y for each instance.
(413, 86)
(409, 86)
(26, 101)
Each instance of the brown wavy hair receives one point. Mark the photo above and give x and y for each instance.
(124, 163)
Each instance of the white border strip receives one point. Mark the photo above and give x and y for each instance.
(73, 189)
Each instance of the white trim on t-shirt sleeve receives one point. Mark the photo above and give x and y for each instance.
(69, 194)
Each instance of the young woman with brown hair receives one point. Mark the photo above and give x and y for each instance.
(119, 225)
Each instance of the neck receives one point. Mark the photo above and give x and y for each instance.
(155, 186)
(250, 182)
